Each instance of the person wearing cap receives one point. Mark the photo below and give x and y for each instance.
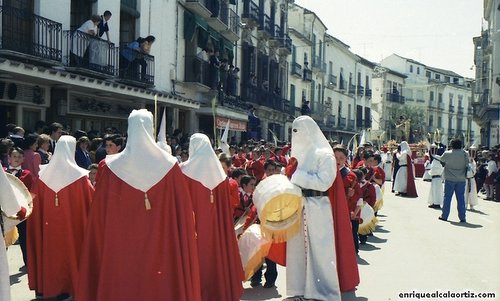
(12, 204)
(221, 269)
(142, 210)
(57, 225)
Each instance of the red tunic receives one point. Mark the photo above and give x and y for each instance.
(221, 270)
(55, 236)
(347, 266)
(411, 190)
(131, 253)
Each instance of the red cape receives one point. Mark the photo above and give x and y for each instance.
(221, 270)
(133, 253)
(347, 265)
(411, 190)
(55, 237)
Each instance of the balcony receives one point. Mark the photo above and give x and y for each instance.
(250, 14)
(361, 90)
(440, 105)
(219, 18)
(460, 110)
(89, 54)
(276, 38)
(395, 97)
(197, 74)
(352, 89)
(342, 84)
(296, 69)
(330, 120)
(342, 122)
(200, 7)
(350, 124)
(318, 65)
(307, 75)
(285, 45)
(30, 36)
(140, 71)
(233, 31)
(266, 28)
(451, 109)
(332, 81)
(259, 96)
(368, 92)
(232, 101)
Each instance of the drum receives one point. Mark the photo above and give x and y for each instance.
(380, 198)
(279, 206)
(23, 196)
(369, 221)
(253, 249)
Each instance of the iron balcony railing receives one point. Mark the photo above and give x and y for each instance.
(277, 34)
(441, 105)
(307, 76)
(234, 22)
(296, 69)
(197, 71)
(90, 52)
(332, 80)
(342, 122)
(286, 42)
(368, 92)
(250, 11)
(350, 125)
(361, 90)
(395, 97)
(259, 96)
(141, 69)
(265, 24)
(319, 64)
(30, 34)
(451, 109)
(342, 84)
(352, 89)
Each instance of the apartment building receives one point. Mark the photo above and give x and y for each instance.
(486, 87)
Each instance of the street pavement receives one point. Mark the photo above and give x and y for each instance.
(411, 252)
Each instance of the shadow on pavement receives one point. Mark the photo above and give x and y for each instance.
(477, 211)
(368, 247)
(377, 240)
(380, 215)
(466, 225)
(260, 293)
(361, 261)
(381, 230)
(351, 296)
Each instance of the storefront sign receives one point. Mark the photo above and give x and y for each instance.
(234, 125)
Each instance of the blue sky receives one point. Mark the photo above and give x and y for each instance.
(437, 33)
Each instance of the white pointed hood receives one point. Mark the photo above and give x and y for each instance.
(62, 169)
(203, 165)
(224, 146)
(162, 134)
(142, 163)
(10, 202)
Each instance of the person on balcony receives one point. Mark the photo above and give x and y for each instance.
(103, 24)
(81, 43)
(305, 109)
(132, 57)
(213, 68)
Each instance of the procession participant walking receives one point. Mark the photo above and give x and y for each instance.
(435, 198)
(56, 227)
(221, 271)
(404, 183)
(140, 243)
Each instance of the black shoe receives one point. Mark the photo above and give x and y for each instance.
(269, 285)
(255, 284)
(434, 206)
(443, 219)
(463, 221)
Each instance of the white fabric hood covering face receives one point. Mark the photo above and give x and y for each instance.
(142, 163)
(203, 165)
(405, 147)
(312, 151)
(62, 169)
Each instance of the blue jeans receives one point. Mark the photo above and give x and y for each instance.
(459, 189)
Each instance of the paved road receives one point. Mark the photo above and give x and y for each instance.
(411, 251)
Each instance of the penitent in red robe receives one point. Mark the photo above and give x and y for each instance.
(55, 236)
(131, 253)
(221, 271)
(347, 266)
